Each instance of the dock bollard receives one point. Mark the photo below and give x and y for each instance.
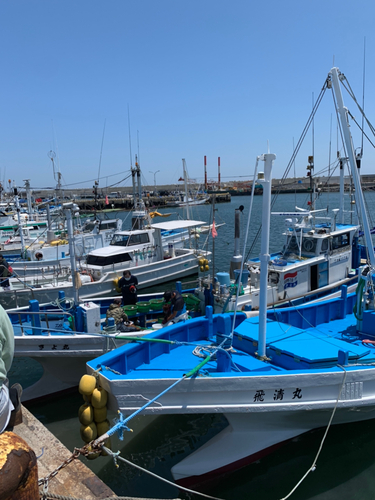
(18, 469)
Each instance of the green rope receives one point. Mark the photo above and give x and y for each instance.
(198, 367)
(145, 339)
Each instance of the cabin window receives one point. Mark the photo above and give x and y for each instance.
(273, 278)
(309, 245)
(339, 241)
(99, 260)
(108, 225)
(137, 239)
(292, 244)
(324, 245)
(120, 240)
(89, 227)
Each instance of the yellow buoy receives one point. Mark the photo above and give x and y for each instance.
(88, 432)
(86, 398)
(92, 456)
(100, 414)
(206, 267)
(201, 262)
(102, 427)
(86, 414)
(87, 384)
(202, 269)
(99, 397)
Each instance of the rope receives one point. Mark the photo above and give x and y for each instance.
(46, 496)
(116, 457)
(313, 466)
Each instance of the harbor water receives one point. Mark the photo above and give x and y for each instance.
(346, 466)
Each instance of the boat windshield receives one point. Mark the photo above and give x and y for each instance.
(124, 240)
(120, 240)
(308, 245)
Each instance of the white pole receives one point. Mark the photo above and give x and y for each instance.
(343, 112)
(20, 227)
(264, 249)
(341, 206)
(69, 224)
(186, 189)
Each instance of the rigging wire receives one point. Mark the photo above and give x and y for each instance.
(292, 159)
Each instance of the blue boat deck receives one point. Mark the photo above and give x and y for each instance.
(315, 337)
(291, 347)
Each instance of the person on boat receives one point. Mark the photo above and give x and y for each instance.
(128, 285)
(10, 399)
(116, 312)
(4, 272)
(176, 311)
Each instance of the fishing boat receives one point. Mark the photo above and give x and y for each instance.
(273, 377)
(62, 336)
(140, 251)
(318, 257)
(43, 257)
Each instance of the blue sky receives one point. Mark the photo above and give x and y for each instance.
(214, 78)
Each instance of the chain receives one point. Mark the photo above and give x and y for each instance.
(85, 451)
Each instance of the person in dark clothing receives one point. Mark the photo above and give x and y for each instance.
(128, 285)
(4, 272)
(122, 322)
(177, 310)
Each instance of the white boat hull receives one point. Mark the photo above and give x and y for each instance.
(183, 264)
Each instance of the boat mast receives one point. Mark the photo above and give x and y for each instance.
(336, 76)
(28, 197)
(186, 189)
(68, 208)
(342, 189)
(265, 178)
(20, 227)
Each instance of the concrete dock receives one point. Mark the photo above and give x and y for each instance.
(75, 480)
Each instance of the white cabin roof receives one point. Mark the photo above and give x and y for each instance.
(176, 224)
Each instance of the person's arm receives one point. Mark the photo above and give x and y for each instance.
(6, 344)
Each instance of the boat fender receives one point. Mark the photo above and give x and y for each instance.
(100, 414)
(99, 398)
(93, 413)
(86, 414)
(88, 432)
(87, 384)
(115, 282)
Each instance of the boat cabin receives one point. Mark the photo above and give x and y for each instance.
(310, 260)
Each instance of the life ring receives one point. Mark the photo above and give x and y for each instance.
(308, 245)
(38, 255)
(61, 226)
